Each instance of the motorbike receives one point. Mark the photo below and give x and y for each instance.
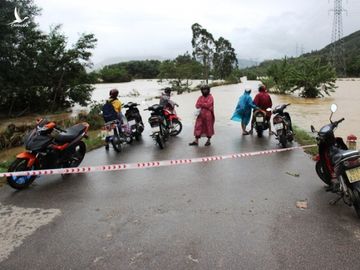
(282, 125)
(261, 122)
(134, 119)
(337, 166)
(116, 134)
(159, 125)
(48, 147)
(125, 131)
(173, 120)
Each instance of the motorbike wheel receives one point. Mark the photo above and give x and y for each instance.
(160, 141)
(176, 127)
(259, 132)
(77, 155)
(356, 199)
(138, 137)
(320, 172)
(116, 143)
(283, 140)
(20, 182)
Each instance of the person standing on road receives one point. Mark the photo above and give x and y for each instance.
(263, 101)
(204, 125)
(243, 110)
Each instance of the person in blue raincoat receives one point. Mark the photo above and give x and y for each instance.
(243, 110)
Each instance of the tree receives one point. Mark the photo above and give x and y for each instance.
(203, 44)
(38, 71)
(279, 73)
(112, 74)
(225, 60)
(180, 71)
(312, 78)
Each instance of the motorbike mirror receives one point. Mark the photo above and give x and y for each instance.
(312, 129)
(333, 108)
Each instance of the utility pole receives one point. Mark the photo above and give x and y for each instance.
(337, 42)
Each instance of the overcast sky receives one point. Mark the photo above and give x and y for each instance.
(257, 29)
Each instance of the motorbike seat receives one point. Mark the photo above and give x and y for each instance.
(70, 134)
(340, 154)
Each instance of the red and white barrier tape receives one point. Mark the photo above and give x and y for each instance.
(152, 164)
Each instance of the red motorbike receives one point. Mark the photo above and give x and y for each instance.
(172, 119)
(49, 147)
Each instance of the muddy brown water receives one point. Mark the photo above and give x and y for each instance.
(304, 112)
(317, 111)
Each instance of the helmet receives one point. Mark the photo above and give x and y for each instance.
(205, 87)
(262, 88)
(114, 93)
(167, 90)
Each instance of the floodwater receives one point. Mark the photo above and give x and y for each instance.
(317, 111)
(304, 112)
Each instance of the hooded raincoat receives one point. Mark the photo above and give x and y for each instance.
(243, 109)
(204, 125)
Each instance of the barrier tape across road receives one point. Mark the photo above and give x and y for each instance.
(151, 164)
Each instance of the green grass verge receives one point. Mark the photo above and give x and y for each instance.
(303, 137)
(94, 141)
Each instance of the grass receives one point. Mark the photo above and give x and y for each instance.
(305, 138)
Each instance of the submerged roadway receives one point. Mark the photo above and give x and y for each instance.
(229, 214)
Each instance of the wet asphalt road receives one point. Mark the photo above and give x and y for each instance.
(231, 214)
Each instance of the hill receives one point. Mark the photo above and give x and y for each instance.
(352, 57)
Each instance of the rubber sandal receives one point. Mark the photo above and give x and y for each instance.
(207, 143)
(246, 133)
(193, 144)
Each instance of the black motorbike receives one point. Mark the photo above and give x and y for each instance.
(261, 122)
(124, 131)
(134, 119)
(49, 147)
(337, 166)
(282, 125)
(159, 125)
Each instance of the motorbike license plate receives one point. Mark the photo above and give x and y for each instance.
(132, 123)
(259, 119)
(353, 175)
(155, 129)
(278, 126)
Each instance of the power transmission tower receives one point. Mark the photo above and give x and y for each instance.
(337, 46)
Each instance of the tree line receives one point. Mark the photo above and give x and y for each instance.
(40, 71)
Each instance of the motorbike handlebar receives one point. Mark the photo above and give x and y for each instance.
(339, 121)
